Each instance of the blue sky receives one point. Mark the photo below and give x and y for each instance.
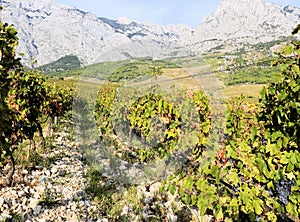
(161, 12)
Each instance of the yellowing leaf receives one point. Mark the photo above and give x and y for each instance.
(290, 176)
(257, 204)
(284, 158)
(219, 215)
(272, 149)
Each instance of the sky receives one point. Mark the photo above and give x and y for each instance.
(161, 12)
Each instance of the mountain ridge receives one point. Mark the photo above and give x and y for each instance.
(49, 31)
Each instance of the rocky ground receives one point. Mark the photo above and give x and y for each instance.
(54, 193)
(58, 192)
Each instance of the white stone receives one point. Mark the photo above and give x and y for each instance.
(5, 215)
(155, 187)
(14, 202)
(103, 220)
(24, 201)
(37, 210)
(148, 200)
(125, 210)
(171, 217)
(33, 203)
(13, 193)
(43, 179)
(2, 201)
(40, 189)
(62, 209)
(73, 207)
(35, 173)
(36, 195)
(20, 193)
(47, 173)
(54, 170)
(67, 193)
(122, 167)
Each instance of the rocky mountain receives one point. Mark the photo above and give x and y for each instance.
(49, 31)
(248, 19)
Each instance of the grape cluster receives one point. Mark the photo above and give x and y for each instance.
(283, 190)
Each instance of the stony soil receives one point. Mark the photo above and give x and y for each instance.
(54, 193)
(57, 192)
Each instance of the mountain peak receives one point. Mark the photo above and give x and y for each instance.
(124, 21)
(247, 19)
(33, 4)
(246, 7)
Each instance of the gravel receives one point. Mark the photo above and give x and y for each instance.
(50, 194)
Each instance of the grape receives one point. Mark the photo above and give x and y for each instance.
(19, 125)
(225, 136)
(283, 190)
(258, 218)
(271, 193)
(264, 140)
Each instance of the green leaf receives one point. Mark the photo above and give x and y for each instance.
(291, 208)
(279, 144)
(272, 149)
(263, 167)
(290, 167)
(231, 152)
(172, 188)
(233, 177)
(284, 158)
(234, 203)
(283, 96)
(271, 216)
(270, 185)
(293, 159)
(186, 199)
(258, 206)
(215, 172)
(276, 135)
(202, 204)
(220, 215)
(206, 126)
(188, 182)
(245, 147)
(288, 50)
(253, 133)
(293, 199)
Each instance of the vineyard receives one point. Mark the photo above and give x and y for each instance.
(158, 145)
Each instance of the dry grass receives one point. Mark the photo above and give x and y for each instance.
(250, 91)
